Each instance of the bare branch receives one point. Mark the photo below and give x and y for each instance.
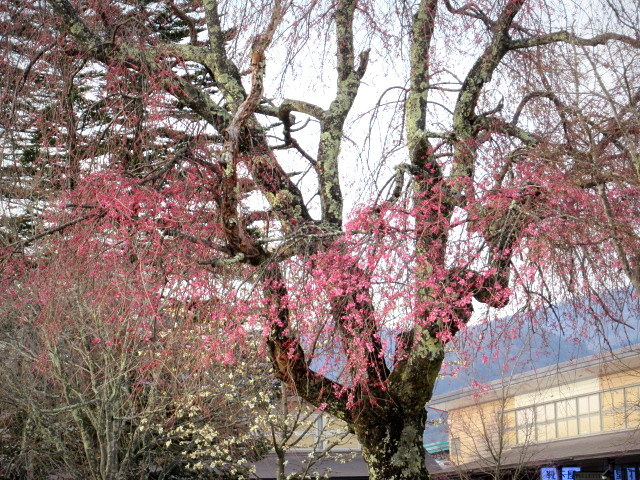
(301, 106)
(193, 34)
(570, 38)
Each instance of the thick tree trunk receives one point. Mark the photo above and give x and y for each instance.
(392, 445)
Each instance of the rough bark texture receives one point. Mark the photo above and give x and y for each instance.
(392, 444)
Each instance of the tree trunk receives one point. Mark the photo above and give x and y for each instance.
(280, 462)
(392, 444)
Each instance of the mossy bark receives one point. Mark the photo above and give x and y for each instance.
(392, 445)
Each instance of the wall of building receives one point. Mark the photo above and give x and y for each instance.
(478, 431)
(568, 406)
(322, 432)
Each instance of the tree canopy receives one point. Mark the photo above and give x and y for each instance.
(347, 180)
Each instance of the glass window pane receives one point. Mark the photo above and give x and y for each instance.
(584, 425)
(620, 419)
(562, 428)
(541, 432)
(523, 436)
(546, 431)
(633, 417)
(613, 420)
(510, 419)
(594, 403)
(524, 416)
(551, 431)
(572, 426)
(607, 421)
(614, 399)
(594, 421)
(566, 408)
(583, 405)
(561, 408)
(550, 411)
(633, 395)
(540, 414)
(618, 398)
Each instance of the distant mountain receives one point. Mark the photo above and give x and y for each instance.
(555, 334)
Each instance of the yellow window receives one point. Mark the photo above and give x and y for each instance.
(566, 408)
(594, 421)
(584, 425)
(562, 429)
(613, 420)
(633, 416)
(613, 399)
(509, 419)
(633, 396)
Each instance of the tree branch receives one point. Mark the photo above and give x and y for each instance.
(301, 106)
(570, 38)
(225, 72)
(193, 34)
(417, 97)
(333, 119)
(288, 359)
(480, 74)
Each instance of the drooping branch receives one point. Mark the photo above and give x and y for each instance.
(631, 266)
(288, 358)
(193, 34)
(74, 25)
(561, 109)
(354, 315)
(198, 101)
(107, 53)
(497, 124)
(503, 228)
(470, 10)
(58, 228)
(248, 107)
(416, 371)
(282, 193)
(418, 362)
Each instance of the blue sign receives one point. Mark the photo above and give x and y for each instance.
(567, 472)
(631, 473)
(549, 473)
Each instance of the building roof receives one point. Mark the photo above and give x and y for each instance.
(437, 447)
(555, 375)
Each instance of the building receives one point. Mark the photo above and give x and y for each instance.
(577, 419)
